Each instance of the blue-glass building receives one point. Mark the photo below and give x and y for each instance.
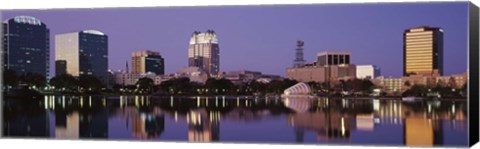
(147, 62)
(26, 46)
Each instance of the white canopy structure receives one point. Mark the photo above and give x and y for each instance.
(298, 89)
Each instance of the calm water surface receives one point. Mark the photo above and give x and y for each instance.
(239, 119)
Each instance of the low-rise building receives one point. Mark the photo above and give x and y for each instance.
(123, 78)
(245, 76)
(322, 73)
(367, 71)
(195, 74)
(389, 85)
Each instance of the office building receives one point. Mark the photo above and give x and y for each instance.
(85, 53)
(147, 62)
(390, 85)
(122, 78)
(367, 71)
(26, 46)
(327, 58)
(60, 67)
(322, 73)
(423, 51)
(204, 52)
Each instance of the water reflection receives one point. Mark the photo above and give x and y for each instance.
(203, 126)
(223, 118)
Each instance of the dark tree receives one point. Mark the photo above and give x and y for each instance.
(64, 82)
(10, 78)
(33, 79)
(90, 84)
(407, 83)
(416, 90)
(145, 85)
(452, 83)
(219, 86)
(177, 86)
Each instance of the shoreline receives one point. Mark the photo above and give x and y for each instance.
(262, 97)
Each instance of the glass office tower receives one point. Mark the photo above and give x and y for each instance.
(26, 46)
(147, 62)
(85, 53)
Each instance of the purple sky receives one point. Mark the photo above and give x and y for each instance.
(263, 38)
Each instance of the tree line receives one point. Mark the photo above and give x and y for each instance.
(184, 86)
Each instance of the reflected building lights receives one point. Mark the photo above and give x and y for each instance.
(90, 101)
(46, 102)
(176, 116)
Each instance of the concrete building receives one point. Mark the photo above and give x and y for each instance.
(195, 74)
(330, 66)
(147, 61)
(123, 78)
(367, 71)
(85, 53)
(454, 81)
(322, 73)
(245, 76)
(390, 85)
(242, 76)
(204, 52)
(26, 46)
(423, 51)
(327, 58)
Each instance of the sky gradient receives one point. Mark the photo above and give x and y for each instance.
(263, 38)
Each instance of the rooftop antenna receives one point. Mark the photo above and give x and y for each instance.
(299, 61)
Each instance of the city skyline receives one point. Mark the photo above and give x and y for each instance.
(247, 37)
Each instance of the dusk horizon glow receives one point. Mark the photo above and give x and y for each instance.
(263, 38)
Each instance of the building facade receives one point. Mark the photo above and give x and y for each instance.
(330, 66)
(26, 46)
(123, 78)
(390, 85)
(195, 74)
(147, 61)
(85, 52)
(204, 52)
(322, 73)
(327, 58)
(423, 51)
(368, 71)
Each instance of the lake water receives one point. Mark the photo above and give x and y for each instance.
(239, 119)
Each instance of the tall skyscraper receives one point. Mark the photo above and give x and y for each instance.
(203, 52)
(299, 61)
(423, 51)
(147, 62)
(26, 46)
(85, 52)
(328, 58)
